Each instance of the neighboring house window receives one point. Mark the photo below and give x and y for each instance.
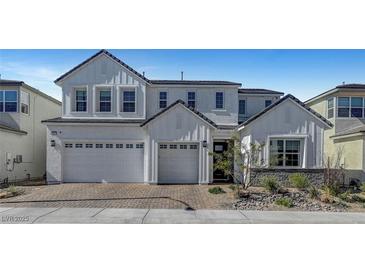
(267, 103)
(81, 100)
(105, 103)
(191, 99)
(285, 153)
(163, 99)
(330, 108)
(8, 101)
(24, 100)
(356, 107)
(129, 101)
(219, 101)
(343, 107)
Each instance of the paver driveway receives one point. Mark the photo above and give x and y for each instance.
(121, 196)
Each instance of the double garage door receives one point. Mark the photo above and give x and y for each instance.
(178, 163)
(103, 162)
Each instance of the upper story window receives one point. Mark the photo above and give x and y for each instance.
(163, 99)
(191, 99)
(285, 153)
(103, 100)
(268, 103)
(81, 100)
(330, 108)
(350, 107)
(129, 101)
(219, 100)
(8, 101)
(242, 107)
(24, 100)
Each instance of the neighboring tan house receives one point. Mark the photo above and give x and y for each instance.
(22, 135)
(344, 107)
(119, 126)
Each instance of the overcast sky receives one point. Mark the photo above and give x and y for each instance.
(303, 73)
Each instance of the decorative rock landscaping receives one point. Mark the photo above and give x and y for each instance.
(257, 200)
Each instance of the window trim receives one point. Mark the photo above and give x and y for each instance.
(223, 100)
(302, 150)
(122, 99)
(4, 100)
(73, 98)
(350, 107)
(163, 100)
(75, 91)
(97, 89)
(190, 100)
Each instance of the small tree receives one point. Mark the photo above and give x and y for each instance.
(237, 160)
(334, 172)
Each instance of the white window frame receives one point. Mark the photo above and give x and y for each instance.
(215, 100)
(97, 89)
(73, 98)
(331, 108)
(190, 100)
(4, 101)
(349, 107)
(302, 151)
(21, 102)
(81, 101)
(163, 100)
(132, 89)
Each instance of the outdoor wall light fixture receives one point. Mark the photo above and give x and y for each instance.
(53, 143)
(205, 143)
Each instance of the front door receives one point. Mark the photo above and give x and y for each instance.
(219, 147)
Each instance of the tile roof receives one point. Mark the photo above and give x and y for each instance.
(259, 91)
(355, 86)
(12, 129)
(92, 121)
(201, 115)
(296, 100)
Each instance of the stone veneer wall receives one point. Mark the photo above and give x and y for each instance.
(315, 176)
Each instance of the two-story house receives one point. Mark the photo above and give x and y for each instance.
(344, 106)
(22, 135)
(119, 126)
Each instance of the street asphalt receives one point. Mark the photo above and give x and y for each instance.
(171, 216)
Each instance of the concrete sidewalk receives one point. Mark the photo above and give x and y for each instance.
(172, 216)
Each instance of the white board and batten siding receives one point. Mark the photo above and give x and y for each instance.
(103, 72)
(288, 120)
(179, 126)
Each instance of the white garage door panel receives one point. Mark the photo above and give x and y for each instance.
(178, 165)
(103, 165)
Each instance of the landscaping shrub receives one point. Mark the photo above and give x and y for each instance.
(270, 183)
(313, 192)
(346, 196)
(233, 187)
(13, 190)
(362, 187)
(327, 196)
(216, 190)
(287, 202)
(299, 181)
(357, 198)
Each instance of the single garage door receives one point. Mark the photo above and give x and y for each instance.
(103, 162)
(178, 163)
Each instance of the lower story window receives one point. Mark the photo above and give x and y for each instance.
(285, 153)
